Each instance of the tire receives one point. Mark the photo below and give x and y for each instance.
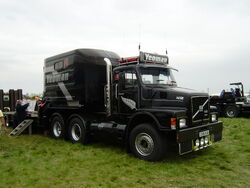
(57, 127)
(77, 130)
(147, 143)
(231, 111)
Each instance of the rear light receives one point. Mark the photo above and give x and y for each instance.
(173, 123)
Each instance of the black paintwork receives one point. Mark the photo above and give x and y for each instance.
(86, 79)
(83, 73)
(160, 100)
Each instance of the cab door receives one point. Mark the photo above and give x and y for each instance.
(128, 92)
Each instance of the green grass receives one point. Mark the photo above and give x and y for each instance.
(40, 161)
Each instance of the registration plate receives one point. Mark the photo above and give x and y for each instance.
(204, 133)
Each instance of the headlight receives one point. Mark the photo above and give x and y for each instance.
(182, 123)
(202, 141)
(206, 140)
(197, 142)
(213, 118)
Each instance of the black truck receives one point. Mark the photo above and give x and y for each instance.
(231, 103)
(88, 91)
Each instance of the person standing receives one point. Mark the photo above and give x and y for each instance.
(2, 122)
(20, 114)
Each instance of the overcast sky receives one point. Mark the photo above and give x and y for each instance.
(207, 41)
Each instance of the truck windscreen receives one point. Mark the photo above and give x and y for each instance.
(157, 76)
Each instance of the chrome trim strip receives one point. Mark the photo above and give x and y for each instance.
(180, 153)
(199, 110)
(108, 86)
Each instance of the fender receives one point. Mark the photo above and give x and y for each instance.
(143, 113)
(56, 114)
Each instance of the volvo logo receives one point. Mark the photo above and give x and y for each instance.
(201, 108)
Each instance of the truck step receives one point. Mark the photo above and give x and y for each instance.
(21, 127)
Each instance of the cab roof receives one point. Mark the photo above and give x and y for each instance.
(86, 53)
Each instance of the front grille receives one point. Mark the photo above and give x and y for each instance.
(200, 109)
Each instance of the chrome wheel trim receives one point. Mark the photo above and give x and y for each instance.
(144, 144)
(76, 132)
(57, 129)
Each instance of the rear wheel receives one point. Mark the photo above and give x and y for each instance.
(57, 126)
(77, 130)
(147, 143)
(231, 111)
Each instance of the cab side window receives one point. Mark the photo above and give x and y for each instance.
(130, 79)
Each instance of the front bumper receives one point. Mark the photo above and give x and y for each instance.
(186, 138)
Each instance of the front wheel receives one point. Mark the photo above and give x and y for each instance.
(77, 130)
(147, 143)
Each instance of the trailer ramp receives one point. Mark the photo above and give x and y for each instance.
(21, 127)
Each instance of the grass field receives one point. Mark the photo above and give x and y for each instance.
(40, 161)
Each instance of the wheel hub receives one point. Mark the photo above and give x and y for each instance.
(57, 129)
(76, 132)
(144, 144)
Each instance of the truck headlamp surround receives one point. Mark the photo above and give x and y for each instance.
(213, 117)
(182, 123)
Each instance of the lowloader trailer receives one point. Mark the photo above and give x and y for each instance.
(89, 91)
